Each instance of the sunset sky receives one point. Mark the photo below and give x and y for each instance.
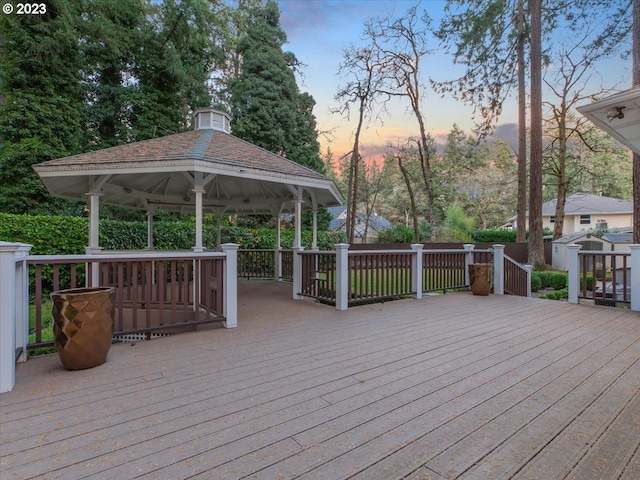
(319, 30)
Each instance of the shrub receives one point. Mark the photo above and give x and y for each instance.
(556, 294)
(397, 234)
(536, 283)
(494, 236)
(558, 281)
(545, 279)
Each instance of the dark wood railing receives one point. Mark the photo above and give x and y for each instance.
(286, 258)
(443, 270)
(153, 293)
(605, 277)
(256, 264)
(515, 278)
(319, 275)
(378, 276)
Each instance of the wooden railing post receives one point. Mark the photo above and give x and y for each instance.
(13, 272)
(498, 269)
(635, 277)
(230, 284)
(297, 273)
(342, 276)
(573, 278)
(468, 260)
(22, 300)
(416, 269)
(529, 269)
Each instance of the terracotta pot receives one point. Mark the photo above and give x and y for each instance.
(480, 278)
(83, 325)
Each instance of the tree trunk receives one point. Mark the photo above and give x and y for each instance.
(521, 226)
(560, 204)
(414, 211)
(352, 189)
(562, 180)
(536, 245)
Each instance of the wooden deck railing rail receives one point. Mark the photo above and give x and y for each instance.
(265, 264)
(286, 265)
(517, 279)
(379, 275)
(376, 275)
(443, 270)
(259, 263)
(154, 292)
(319, 275)
(605, 277)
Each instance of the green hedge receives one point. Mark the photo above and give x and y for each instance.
(555, 280)
(59, 235)
(494, 235)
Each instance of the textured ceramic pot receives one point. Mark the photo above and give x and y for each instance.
(83, 325)
(480, 278)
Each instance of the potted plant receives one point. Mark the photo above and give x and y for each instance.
(83, 325)
(480, 276)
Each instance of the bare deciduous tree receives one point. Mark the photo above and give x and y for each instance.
(364, 90)
(402, 44)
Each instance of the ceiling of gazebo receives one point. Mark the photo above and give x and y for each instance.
(618, 115)
(237, 177)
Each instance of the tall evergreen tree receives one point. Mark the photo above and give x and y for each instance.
(42, 109)
(180, 45)
(267, 106)
(111, 46)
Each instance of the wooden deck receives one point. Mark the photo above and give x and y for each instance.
(451, 386)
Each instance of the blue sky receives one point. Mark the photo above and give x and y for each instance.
(319, 30)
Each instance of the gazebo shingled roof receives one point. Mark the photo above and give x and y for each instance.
(161, 173)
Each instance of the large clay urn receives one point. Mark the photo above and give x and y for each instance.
(480, 278)
(83, 325)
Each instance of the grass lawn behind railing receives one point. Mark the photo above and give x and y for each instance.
(46, 331)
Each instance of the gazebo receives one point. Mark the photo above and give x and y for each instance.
(204, 170)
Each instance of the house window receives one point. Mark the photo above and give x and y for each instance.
(585, 219)
(552, 219)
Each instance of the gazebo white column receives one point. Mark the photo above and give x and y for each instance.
(94, 236)
(198, 190)
(314, 241)
(278, 246)
(297, 240)
(150, 213)
(94, 221)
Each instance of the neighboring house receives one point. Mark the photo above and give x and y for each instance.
(584, 212)
(373, 227)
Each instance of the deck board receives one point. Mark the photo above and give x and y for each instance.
(449, 386)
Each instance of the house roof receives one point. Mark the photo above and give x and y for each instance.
(619, 238)
(618, 115)
(239, 177)
(376, 223)
(577, 236)
(585, 203)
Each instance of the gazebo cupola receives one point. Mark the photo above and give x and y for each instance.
(212, 119)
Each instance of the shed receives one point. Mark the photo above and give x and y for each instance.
(588, 242)
(619, 241)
